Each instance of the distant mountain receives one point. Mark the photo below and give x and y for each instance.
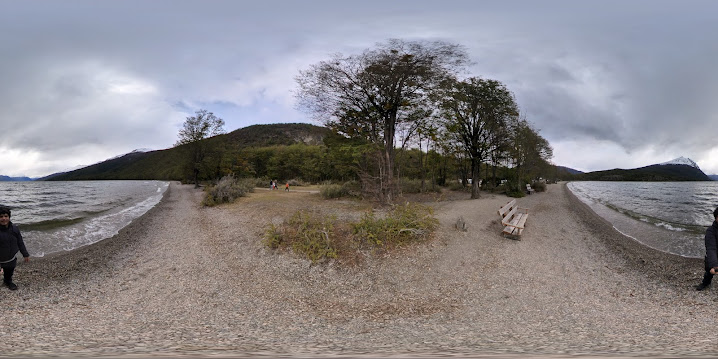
(169, 164)
(568, 170)
(50, 176)
(681, 161)
(8, 179)
(679, 169)
(713, 177)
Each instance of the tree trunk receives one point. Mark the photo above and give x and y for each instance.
(475, 171)
(388, 189)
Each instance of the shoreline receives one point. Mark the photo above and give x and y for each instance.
(96, 255)
(187, 280)
(677, 268)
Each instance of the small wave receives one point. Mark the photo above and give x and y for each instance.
(50, 224)
(670, 227)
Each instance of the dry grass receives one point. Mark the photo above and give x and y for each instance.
(321, 229)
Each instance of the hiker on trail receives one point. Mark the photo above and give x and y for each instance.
(10, 243)
(711, 259)
(286, 187)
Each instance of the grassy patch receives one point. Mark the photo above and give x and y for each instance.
(402, 225)
(320, 238)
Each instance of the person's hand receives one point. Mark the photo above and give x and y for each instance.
(713, 270)
(27, 259)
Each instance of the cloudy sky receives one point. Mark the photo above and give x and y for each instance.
(609, 83)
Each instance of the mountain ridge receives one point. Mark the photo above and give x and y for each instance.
(168, 164)
(679, 169)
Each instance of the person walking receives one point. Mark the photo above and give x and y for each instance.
(286, 187)
(711, 258)
(10, 243)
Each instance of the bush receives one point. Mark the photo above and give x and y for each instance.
(457, 186)
(261, 182)
(414, 186)
(403, 224)
(295, 182)
(353, 188)
(509, 188)
(329, 191)
(227, 190)
(410, 185)
(320, 238)
(539, 186)
(307, 234)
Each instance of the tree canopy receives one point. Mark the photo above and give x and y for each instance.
(476, 113)
(372, 94)
(202, 125)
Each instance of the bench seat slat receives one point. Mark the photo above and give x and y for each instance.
(509, 216)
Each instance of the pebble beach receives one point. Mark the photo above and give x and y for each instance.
(187, 280)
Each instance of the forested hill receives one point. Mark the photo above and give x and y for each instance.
(169, 164)
(277, 134)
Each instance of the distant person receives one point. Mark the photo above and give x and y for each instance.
(711, 259)
(286, 187)
(10, 243)
(271, 184)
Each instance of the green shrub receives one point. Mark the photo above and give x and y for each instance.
(539, 186)
(457, 186)
(319, 238)
(329, 191)
(307, 234)
(410, 185)
(273, 237)
(509, 188)
(403, 224)
(261, 182)
(515, 194)
(295, 182)
(414, 186)
(227, 190)
(352, 188)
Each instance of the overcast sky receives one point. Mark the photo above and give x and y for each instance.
(610, 84)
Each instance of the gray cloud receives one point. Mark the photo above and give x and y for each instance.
(608, 83)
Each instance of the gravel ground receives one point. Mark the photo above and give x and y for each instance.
(184, 280)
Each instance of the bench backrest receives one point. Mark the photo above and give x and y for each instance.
(508, 209)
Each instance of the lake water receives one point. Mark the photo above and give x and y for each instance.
(60, 216)
(668, 216)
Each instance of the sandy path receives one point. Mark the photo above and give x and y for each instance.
(190, 280)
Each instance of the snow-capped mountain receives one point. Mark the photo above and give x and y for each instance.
(681, 161)
(679, 169)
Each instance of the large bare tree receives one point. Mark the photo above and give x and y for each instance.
(372, 94)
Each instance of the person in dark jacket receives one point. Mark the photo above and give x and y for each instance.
(10, 243)
(711, 260)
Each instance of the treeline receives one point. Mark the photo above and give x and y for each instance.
(341, 159)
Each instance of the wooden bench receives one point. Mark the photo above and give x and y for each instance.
(513, 218)
(529, 189)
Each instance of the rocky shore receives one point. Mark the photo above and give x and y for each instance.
(195, 281)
